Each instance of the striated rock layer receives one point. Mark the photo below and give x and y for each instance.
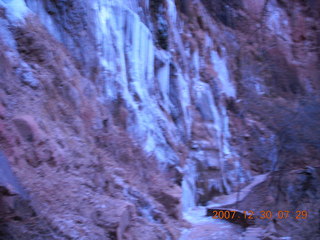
(117, 116)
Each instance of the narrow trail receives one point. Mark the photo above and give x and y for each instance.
(226, 200)
(207, 228)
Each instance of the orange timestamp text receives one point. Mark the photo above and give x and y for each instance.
(230, 214)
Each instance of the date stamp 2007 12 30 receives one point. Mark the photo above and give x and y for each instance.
(229, 214)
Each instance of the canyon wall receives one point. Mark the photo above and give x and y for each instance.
(118, 116)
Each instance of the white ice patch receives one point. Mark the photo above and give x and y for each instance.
(16, 10)
(208, 42)
(38, 7)
(278, 20)
(196, 63)
(163, 74)
(197, 215)
(6, 36)
(220, 66)
(172, 11)
(183, 82)
(216, 117)
(126, 50)
(189, 186)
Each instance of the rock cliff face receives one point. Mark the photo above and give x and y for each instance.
(118, 116)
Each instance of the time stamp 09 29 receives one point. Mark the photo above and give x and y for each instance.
(229, 215)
